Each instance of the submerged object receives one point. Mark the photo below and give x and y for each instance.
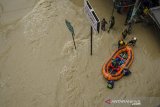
(120, 60)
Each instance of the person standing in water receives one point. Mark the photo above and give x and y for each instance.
(132, 41)
(124, 33)
(121, 43)
(127, 29)
(111, 23)
(103, 24)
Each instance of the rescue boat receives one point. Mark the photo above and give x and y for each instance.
(125, 57)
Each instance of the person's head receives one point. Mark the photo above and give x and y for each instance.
(121, 42)
(134, 38)
(103, 19)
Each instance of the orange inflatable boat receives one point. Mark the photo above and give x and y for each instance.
(121, 59)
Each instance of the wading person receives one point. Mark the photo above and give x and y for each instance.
(125, 32)
(121, 43)
(126, 71)
(133, 41)
(111, 23)
(129, 27)
(103, 24)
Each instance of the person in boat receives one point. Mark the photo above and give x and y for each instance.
(133, 41)
(116, 62)
(114, 69)
(119, 60)
(121, 43)
(124, 55)
(103, 24)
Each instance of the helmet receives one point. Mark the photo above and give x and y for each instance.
(121, 42)
(134, 38)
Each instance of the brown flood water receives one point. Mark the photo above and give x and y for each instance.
(40, 68)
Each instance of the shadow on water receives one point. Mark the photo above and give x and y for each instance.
(149, 39)
(155, 31)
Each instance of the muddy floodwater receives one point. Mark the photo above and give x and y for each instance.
(39, 66)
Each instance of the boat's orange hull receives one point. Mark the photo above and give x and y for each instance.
(118, 75)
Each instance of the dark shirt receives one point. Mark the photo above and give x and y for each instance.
(132, 42)
(112, 22)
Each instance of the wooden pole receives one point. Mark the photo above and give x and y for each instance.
(74, 40)
(91, 39)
